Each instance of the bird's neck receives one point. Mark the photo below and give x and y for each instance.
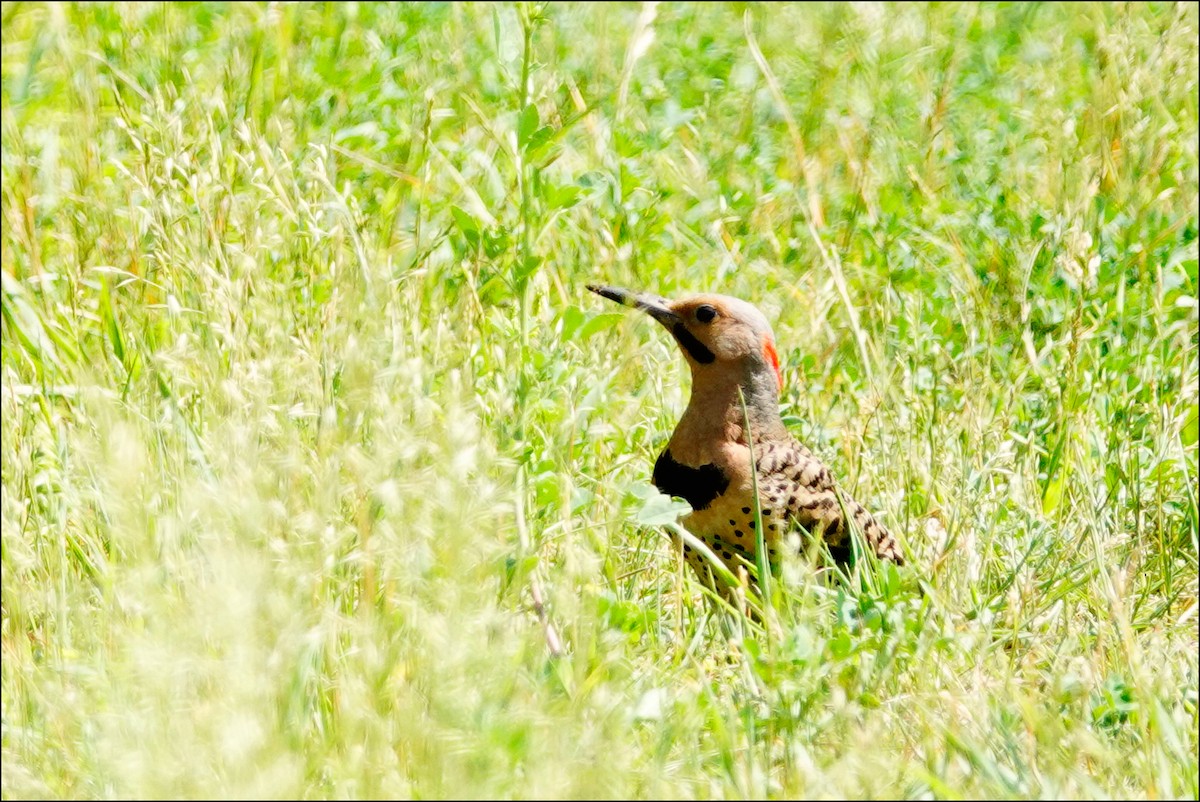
(714, 415)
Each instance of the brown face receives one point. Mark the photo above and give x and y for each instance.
(710, 329)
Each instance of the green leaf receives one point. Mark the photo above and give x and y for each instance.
(546, 489)
(525, 268)
(601, 322)
(527, 124)
(562, 197)
(659, 510)
(1191, 426)
(1053, 495)
(841, 645)
(111, 325)
(465, 222)
(538, 142)
(572, 318)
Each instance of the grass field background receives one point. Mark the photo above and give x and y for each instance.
(324, 476)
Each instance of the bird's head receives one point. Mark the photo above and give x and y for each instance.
(719, 336)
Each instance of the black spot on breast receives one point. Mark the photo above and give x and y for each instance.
(746, 510)
(696, 486)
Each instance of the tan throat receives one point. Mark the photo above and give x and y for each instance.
(714, 418)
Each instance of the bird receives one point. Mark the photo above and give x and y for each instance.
(730, 348)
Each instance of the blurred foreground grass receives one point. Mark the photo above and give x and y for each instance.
(302, 397)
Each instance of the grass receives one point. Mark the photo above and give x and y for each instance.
(324, 476)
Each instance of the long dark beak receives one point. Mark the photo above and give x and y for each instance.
(659, 309)
(652, 305)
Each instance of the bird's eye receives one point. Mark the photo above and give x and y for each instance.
(705, 313)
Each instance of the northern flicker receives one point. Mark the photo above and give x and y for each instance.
(728, 345)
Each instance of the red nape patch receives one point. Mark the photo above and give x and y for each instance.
(772, 357)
